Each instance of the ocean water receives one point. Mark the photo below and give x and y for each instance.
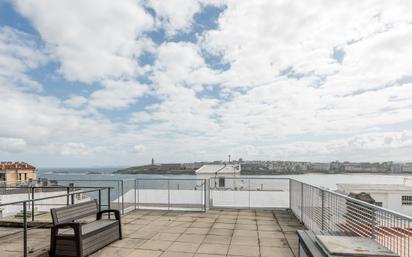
(323, 180)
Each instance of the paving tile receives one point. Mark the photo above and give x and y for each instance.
(215, 239)
(166, 236)
(201, 224)
(213, 249)
(273, 242)
(176, 254)
(180, 224)
(244, 240)
(241, 232)
(221, 232)
(244, 250)
(113, 252)
(246, 227)
(275, 252)
(191, 238)
(271, 234)
(143, 234)
(199, 231)
(208, 255)
(184, 247)
(128, 243)
(144, 253)
(174, 229)
(246, 222)
(224, 225)
(159, 245)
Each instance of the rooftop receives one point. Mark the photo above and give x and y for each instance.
(16, 166)
(219, 169)
(216, 233)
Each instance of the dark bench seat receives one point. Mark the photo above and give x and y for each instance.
(82, 239)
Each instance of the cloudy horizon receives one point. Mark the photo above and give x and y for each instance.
(115, 83)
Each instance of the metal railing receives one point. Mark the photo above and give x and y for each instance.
(325, 211)
(69, 195)
(319, 209)
(153, 193)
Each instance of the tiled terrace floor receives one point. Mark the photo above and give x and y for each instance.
(217, 233)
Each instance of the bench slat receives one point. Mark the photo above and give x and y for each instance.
(74, 212)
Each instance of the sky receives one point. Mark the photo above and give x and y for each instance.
(108, 83)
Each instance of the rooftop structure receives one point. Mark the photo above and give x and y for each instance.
(397, 197)
(219, 169)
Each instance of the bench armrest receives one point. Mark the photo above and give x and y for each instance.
(76, 226)
(116, 214)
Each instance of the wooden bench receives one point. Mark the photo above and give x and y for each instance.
(82, 239)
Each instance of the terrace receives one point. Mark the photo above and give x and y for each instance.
(193, 217)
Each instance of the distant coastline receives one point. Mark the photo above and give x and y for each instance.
(170, 170)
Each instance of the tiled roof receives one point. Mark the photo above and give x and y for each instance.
(16, 166)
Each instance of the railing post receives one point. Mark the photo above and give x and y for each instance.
(122, 197)
(205, 192)
(32, 204)
(249, 191)
(322, 209)
(290, 195)
(301, 202)
(68, 195)
(135, 192)
(108, 200)
(168, 194)
(138, 193)
(25, 250)
(100, 200)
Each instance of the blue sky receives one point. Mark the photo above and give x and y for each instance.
(117, 83)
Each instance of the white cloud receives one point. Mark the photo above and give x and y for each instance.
(92, 40)
(76, 101)
(18, 54)
(74, 149)
(282, 95)
(9, 144)
(139, 148)
(138, 117)
(117, 94)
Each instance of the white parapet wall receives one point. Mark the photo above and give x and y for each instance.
(145, 198)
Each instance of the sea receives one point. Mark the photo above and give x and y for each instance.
(323, 180)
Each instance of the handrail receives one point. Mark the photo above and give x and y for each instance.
(56, 196)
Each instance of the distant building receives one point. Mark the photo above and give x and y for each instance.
(220, 172)
(17, 172)
(319, 166)
(396, 197)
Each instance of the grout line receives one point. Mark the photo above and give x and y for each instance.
(231, 238)
(283, 232)
(210, 228)
(258, 235)
(193, 221)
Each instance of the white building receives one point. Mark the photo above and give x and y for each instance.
(396, 197)
(225, 175)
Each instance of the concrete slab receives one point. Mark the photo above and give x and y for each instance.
(184, 247)
(213, 249)
(216, 233)
(244, 250)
